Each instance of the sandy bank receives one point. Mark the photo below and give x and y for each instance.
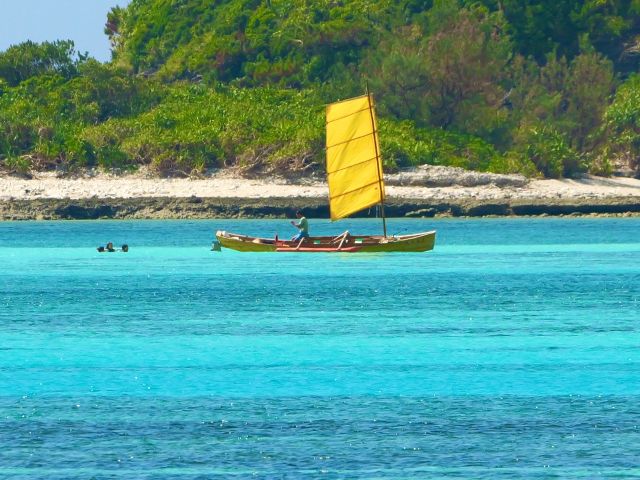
(434, 190)
(105, 187)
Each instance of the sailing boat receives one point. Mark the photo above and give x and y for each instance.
(355, 178)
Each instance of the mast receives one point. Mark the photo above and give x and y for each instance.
(377, 148)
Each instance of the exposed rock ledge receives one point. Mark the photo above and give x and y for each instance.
(196, 207)
(439, 176)
(421, 192)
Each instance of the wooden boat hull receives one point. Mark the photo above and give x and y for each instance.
(345, 243)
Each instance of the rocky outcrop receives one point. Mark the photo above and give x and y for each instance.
(196, 207)
(440, 176)
(425, 191)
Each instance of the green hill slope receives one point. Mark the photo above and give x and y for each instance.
(535, 86)
(285, 42)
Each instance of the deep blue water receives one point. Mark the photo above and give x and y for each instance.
(510, 351)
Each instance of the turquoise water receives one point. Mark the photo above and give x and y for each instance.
(510, 351)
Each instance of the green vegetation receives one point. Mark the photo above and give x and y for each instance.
(540, 87)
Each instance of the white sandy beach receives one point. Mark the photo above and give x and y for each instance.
(226, 185)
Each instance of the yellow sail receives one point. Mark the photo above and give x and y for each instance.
(354, 167)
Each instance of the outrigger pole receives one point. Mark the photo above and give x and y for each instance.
(375, 143)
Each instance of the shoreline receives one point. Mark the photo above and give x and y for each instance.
(283, 207)
(427, 191)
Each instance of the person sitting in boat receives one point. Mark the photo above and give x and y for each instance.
(302, 226)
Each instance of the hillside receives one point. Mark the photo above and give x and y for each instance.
(538, 87)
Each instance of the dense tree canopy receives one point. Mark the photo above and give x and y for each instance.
(543, 87)
(21, 62)
(286, 42)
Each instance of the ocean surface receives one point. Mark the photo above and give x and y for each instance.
(510, 351)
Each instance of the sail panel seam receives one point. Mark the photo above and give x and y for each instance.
(367, 108)
(377, 182)
(352, 139)
(352, 165)
(367, 205)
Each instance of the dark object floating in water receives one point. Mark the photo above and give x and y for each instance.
(109, 248)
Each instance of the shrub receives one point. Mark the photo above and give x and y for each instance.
(549, 151)
(622, 126)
